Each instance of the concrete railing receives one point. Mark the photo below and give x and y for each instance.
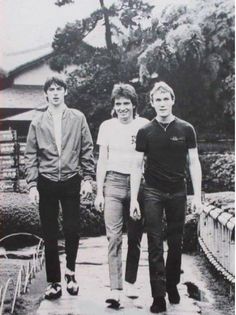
(217, 239)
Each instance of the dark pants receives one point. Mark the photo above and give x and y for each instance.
(134, 235)
(117, 204)
(155, 202)
(68, 193)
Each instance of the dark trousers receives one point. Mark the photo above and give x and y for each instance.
(134, 234)
(68, 193)
(164, 276)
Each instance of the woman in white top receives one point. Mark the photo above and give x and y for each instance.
(116, 139)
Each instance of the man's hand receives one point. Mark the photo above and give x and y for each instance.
(134, 211)
(34, 195)
(196, 205)
(86, 189)
(99, 203)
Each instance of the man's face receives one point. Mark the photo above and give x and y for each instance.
(56, 94)
(162, 103)
(124, 109)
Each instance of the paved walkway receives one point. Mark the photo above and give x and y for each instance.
(92, 275)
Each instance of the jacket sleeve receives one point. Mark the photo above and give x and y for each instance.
(86, 153)
(31, 157)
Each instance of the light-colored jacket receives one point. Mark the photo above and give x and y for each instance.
(42, 156)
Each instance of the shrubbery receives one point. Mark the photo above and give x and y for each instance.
(218, 172)
(92, 222)
(18, 215)
(222, 171)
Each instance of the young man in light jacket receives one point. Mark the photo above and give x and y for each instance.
(58, 143)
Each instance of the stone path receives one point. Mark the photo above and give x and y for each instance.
(92, 275)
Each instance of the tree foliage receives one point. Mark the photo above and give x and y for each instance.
(99, 67)
(195, 55)
(190, 46)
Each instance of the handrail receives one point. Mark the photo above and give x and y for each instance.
(20, 233)
(217, 240)
(24, 275)
(4, 294)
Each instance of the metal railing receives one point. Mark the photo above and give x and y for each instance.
(217, 239)
(26, 273)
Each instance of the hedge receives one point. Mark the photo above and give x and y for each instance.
(218, 172)
(18, 215)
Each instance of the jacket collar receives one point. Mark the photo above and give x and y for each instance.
(64, 111)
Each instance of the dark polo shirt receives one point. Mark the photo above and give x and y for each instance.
(166, 148)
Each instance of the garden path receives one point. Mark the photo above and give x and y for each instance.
(92, 275)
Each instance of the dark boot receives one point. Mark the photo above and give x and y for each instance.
(158, 305)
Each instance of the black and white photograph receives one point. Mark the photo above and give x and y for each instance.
(117, 157)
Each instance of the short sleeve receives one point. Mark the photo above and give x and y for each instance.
(141, 141)
(191, 137)
(103, 133)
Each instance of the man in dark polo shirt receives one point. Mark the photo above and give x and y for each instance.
(169, 144)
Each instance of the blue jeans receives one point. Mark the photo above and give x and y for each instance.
(116, 211)
(155, 202)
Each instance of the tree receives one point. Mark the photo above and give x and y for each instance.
(97, 69)
(68, 40)
(189, 46)
(195, 54)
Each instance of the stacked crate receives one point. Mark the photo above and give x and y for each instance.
(9, 161)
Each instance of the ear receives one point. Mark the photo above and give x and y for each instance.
(66, 92)
(151, 101)
(46, 96)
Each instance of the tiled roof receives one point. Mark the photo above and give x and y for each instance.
(28, 97)
(14, 61)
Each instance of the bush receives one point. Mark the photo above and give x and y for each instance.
(222, 171)
(218, 172)
(18, 215)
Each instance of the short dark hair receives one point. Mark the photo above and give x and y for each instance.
(162, 86)
(127, 91)
(54, 80)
